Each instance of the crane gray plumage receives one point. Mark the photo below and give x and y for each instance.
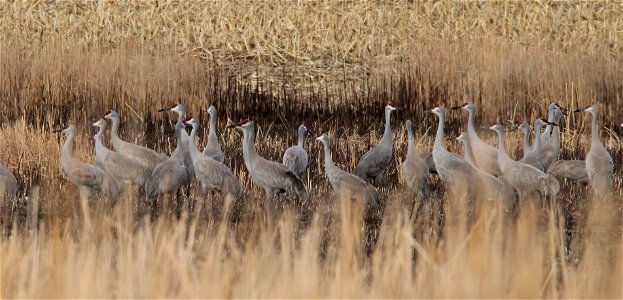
(86, 177)
(571, 169)
(172, 173)
(213, 147)
(147, 157)
(181, 117)
(486, 155)
(492, 188)
(373, 164)
(296, 157)
(525, 128)
(271, 176)
(345, 184)
(524, 178)
(533, 157)
(599, 164)
(551, 148)
(212, 174)
(415, 171)
(8, 183)
(551, 111)
(428, 158)
(123, 168)
(452, 169)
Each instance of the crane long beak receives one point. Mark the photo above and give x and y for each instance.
(57, 130)
(455, 107)
(577, 110)
(428, 111)
(551, 123)
(163, 110)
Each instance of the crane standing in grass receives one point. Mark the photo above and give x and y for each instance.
(273, 177)
(551, 148)
(599, 164)
(123, 168)
(213, 147)
(147, 157)
(86, 177)
(296, 157)
(414, 169)
(373, 164)
(534, 156)
(486, 156)
(345, 184)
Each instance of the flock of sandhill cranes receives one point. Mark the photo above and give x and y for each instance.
(486, 171)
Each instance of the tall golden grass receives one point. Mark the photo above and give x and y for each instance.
(333, 65)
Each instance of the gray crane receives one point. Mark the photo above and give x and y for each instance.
(172, 173)
(525, 128)
(213, 147)
(555, 112)
(415, 171)
(271, 176)
(212, 174)
(452, 169)
(373, 164)
(551, 148)
(123, 168)
(296, 157)
(345, 184)
(8, 183)
(493, 188)
(524, 178)
(147, 157)
(181, 117)
(86, 177)
(428, 158)
(486, 155)
(599, 164)
(534, 156)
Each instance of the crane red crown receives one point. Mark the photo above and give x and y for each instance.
(108, 112)
(464, 104)
(173, 105)
(244, 121)
(188, 118)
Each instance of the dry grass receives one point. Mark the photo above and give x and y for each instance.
(330, 64)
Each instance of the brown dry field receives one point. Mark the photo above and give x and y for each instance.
(333, 65)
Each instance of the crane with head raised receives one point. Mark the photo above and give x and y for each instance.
(213, 147)
(296, 157)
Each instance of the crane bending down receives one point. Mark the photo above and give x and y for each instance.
(373, 164)
(121, 167)
(172, 173)
(147, 157)
(486, 155)
(212, 174)
(213, 147)
(599, 164)
(271, 176)
(414, 169)
(86, 177)
(524, 178)
(296, 157)
(345, 184)
(8, 183)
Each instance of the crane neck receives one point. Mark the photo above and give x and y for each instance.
(410, 142)
(526, 142)
(301, 138)
(468, 153)
(212, 130)
(178, 152)
(387, 134)
(114, 131)
(66, 155)
(191, 140)
(248, 147)
(594, 128)
(501, 148)
(548, 127)
(328, 159)
(538, 146)
(439, 137)
(471, 128)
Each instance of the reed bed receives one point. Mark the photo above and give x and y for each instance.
(334, 66)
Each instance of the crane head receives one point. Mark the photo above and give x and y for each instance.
(190, 120)
(212, 110)
(524, 127)
(391, 106)
(589, 109)
(66, 129)
(497, 128)
(409, 124)
(437, 109)
(175, 107)
(461, 137)
(101, 123)
(111, 114)
(323, 137)
(243, 123)
(562, 109)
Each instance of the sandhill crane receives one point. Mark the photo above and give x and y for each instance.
(172, 173)
(147, 157)
(524, 178)
(212, 174)
(121, 167)
(86, 177)
(271, 176)
(525, 128)
(546, 135)
(486, 155)
(8, 183)
(534, 156)
(344, 183)
(181, 116)
(414, 169)
(599, 164)
(551, 148)
(571, 169)
(373, 164)
(213, 147)
(296, 157)
(451, 168)
(493, 188)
